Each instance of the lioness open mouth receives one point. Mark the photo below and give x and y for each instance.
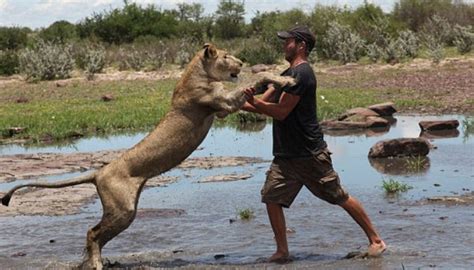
(234, 75)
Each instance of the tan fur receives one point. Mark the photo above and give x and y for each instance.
(198, 97)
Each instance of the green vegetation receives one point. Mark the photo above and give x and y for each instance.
(393, 187)
(59, 113)
(246, 214)
(344, 35)
(416, 164)
(468, 127)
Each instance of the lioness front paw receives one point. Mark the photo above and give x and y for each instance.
(266, 78)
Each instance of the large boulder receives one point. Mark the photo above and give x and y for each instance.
(438, 125)
(400, 147)
(363, 112)
(384, 109)
(355, 122)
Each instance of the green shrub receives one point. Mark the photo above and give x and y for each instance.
(60, 31)
(8, 62)
(374, 52)
(463, 38)
(410, 43)
(94, 61)
(392, 186)
(342, 44)
(393, 52)
(246, 214)
(13, 38)
(46, 61)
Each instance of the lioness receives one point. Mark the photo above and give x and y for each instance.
(199, 96)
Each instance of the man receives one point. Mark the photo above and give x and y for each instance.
(300, 153)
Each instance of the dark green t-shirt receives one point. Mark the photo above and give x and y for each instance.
(299, 134)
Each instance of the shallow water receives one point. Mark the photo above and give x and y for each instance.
(419, 236)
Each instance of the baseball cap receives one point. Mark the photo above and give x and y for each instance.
(300, 32)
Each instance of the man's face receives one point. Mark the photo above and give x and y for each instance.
(290, 49)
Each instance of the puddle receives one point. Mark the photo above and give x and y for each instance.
(199, 234)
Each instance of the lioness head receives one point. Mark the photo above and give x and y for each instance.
(202, 80)
(220, 65)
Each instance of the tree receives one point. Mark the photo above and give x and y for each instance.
(13, 38)
(60, 31)
(230, 21)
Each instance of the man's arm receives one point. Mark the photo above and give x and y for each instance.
(267, 96)
(278, 110)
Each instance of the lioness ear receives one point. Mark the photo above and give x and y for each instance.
(210, 50)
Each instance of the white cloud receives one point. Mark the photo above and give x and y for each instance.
(3, 4)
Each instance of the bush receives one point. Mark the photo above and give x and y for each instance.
(94, 61)
(262, 54)
(342, 44)
(435, 48)
(13, 38)
(8, 62)
(393, 52)
(60, 31)
(374, 52)
(463, 39)
(409, 43)
(46, 61)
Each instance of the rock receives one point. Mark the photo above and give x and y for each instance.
(358, 111)
(438, 125)
(384, 109)
(61, 83)
(107, 98)
(10, 132)
(400, 147)
(22, 100)
(355, 122)
(219, 256)
(225, 178)
(259, 68)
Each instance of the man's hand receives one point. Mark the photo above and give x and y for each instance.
(249, 95)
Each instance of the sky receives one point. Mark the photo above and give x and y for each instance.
(42, 13)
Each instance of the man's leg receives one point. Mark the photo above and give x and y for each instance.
(357, 212)
(277, 220)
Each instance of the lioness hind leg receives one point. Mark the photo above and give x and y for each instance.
(119, 213)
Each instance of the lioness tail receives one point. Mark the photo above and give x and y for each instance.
(84, 179)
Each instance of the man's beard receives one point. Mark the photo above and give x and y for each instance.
(290, 55)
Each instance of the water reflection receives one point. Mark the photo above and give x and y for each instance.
(401, 166)
(367, 132)
(251, 126)
(440, 134)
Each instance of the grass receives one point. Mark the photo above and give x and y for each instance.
(333, 102)
(246, 214)
(416, 164)
(468, 127)
(393, 187)
(59, 113)
(77, 109)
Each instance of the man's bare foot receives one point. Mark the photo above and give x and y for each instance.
(280, 258)
(376, 249)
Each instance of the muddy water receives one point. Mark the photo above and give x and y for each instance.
(195, 225)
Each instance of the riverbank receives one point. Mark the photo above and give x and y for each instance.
(135, 101)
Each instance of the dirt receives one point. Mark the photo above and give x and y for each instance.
(443, 88)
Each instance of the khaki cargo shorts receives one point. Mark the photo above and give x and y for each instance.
(286, 177)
